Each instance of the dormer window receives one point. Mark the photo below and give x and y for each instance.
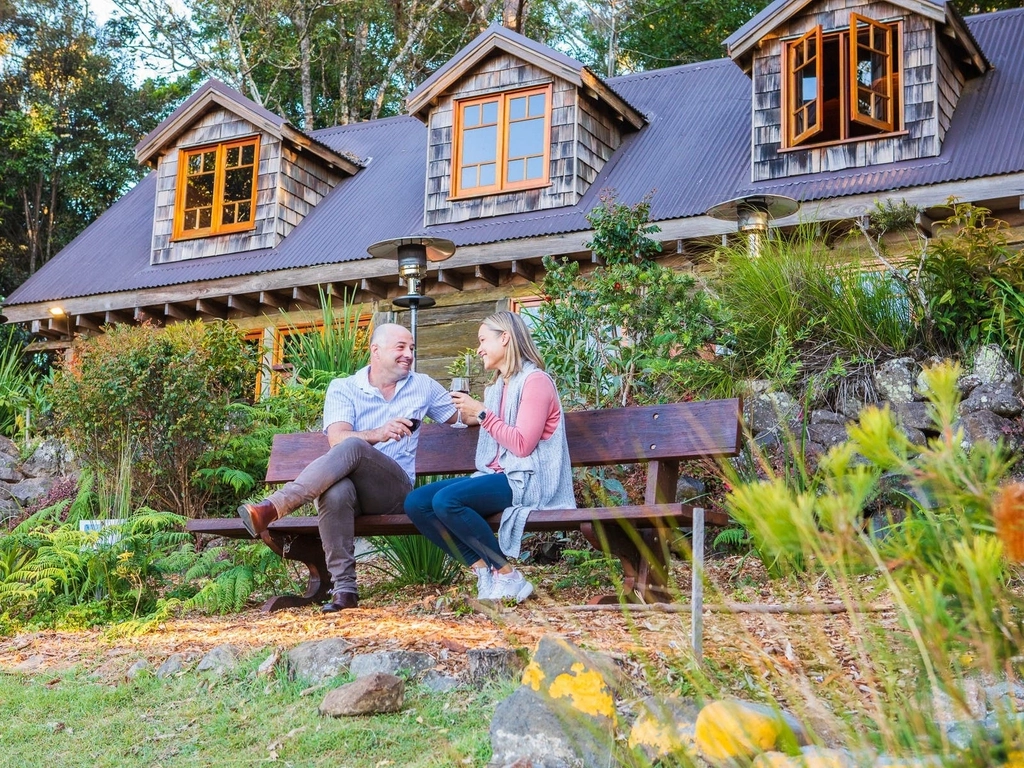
(841, 85)
(216, 192)
(502, 142)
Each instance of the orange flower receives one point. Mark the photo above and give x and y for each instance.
(1009, 519)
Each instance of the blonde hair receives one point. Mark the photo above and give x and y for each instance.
(521, 346)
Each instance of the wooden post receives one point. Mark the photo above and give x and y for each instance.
(697, 585)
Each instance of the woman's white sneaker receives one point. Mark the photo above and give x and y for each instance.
(511, 585)
(484, 583)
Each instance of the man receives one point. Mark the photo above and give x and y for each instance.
(371, 465)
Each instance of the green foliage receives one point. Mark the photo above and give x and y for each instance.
(891, 216)
(972, 285)
(589, 568)
(796, 314)
(630, 330)
(161, 395)
(19, 387)
(228, 576)
(338, 348)
(415, 560)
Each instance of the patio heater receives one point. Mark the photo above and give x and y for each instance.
(752, 215)
(413, 254)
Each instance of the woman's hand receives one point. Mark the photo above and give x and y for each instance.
(468, 407)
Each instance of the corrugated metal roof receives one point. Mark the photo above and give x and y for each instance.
(694, 153)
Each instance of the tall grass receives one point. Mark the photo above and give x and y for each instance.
(17, 387)
(338, 348)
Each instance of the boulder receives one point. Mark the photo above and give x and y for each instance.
(219, 661)
(486, 664)
(728, 731)
(915, 415)
(138, 668)
(368, 695)
(985, 426)
(390, 663)
(318, 660)
(34, 488)
(665, 728)
(992, 367)
(689, 488)
(435, 682)
(895, 380)
(172, 665)
(49, 458)
(770, 409)
(827, 435)
(998, 398)
(528, 730)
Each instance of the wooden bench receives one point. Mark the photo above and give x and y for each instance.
(659, 436)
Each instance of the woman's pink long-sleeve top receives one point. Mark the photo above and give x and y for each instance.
(539, 412)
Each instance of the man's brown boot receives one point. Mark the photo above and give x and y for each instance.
(256, 517)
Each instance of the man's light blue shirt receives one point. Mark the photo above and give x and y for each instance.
(355, 401)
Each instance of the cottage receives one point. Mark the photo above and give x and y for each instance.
(835, 103)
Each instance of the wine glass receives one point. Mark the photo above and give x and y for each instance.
(459, 384)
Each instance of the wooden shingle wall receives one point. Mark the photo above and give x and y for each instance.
(218, 125)
(582, 139)
(304, 183)
(951, 85)
(921, 135)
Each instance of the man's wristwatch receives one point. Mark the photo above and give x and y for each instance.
(481, 416)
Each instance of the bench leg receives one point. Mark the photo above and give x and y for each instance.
(644, 558)
(307, 550)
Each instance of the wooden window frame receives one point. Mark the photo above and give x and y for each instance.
(888, 33)
(794, 91)
(501, 185)
(847, 61)
(216, 227)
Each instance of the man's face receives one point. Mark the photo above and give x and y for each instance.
(393, 358)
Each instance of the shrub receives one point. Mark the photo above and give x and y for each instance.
(629, 331)
(159, 396)
(338, 348)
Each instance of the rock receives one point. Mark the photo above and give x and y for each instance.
(969, 703)
(731, 730)
(998, 398)
(828, 417)
(318, 660)
(8, 509)
(171, 666)
(368, 695)
(219, 661)
(809, 757)
(985, 426)
(922, 386)
(560, 670)
(32, 489)
(527, 730)
(50, 458)
(992, 367)
(138, 668)
(32, 664)
(895, 380)
(968, 383)
(9, 474)
(689, 488)
(390, 663)
(435, 682)
(769, 410)
(665, 728)
(9, 448)
(827, 435)
(929, 761)
(486, 664)
(914, 436)
(850, 406)
(915, 415)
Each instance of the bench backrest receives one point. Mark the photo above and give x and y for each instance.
(670, 432)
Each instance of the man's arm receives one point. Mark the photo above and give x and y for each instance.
(395, 429)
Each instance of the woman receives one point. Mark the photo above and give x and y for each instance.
(522, 462)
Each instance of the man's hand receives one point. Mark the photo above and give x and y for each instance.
(396, 429)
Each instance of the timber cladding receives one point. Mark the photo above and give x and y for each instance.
(288, 186)
(920, 131)
(582, 140)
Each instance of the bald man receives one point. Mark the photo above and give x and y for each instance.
(371, 465)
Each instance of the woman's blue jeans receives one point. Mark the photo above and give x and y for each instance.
(451, 514)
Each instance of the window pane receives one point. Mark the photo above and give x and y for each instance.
(517, 108)
(195, 163)
(228, 215)
(537, 104)
(210, 161)
(238, 184)
(205, 218)
(515, 171)
(199, 191)
(231, 159)
(468, 180)
(244, 212)
(249, 154)
(487, 175)
(535, 168)
(526, 138)
(479, 145)
(808, 87)
(471, 116)
(190, 220)
(490, 112)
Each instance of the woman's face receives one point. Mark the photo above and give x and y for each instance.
(492, 348)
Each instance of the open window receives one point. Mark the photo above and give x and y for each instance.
(502, 142)
(841, 85)
(216, 192)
